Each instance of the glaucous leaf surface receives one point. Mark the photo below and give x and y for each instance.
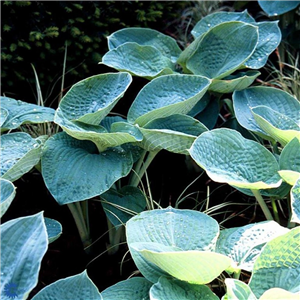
(278, 265)
(175, 133)
(19, 154)
(237, 290)
(223, 49)
(7, 195)
(240, 243)
(228, 157)
(136, 288)
(167, 95)
(278, 100)
(3, 116)
(119, 206)
(18, 112)
(54, 229)
(144, 61)
(74, 170)
(78, 287)
(279, 294)
(183, 229)
(274, 8)
(172, 289)
(146, 36)
(91, 99)
(295, 202)
(23, 244)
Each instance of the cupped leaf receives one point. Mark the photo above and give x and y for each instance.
(144, 61)
(295, 202)
(121, 205)
(241, 243)
(237, 290)
(167, 95)
(91, 99)
(278, 100)
(277, 125)
(234, 82)
(274, 8)
(7, 195)
(74, 170)
(278, 265)
(175, 133)
(136, 288)
(54, 229)
(17, 112)
(183, 229)
(19, 154)
(23, 245)
(228, 157)
(269, 37)
(145, 37)
(279, 294)
(172, 289)
(223, 49)
(3, 116)
(78, 287)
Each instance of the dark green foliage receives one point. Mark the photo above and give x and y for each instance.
(37, 31)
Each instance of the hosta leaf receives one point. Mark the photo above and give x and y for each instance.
(217, 18)
(278, 264)
(184, 229)
(91, 99)
(7, 195)
(54, 229)
(74, 170)
(167, 95)
(240, 243)
(295, 202)
(19, 112)
(144, 61)
(172, 289)
(274, 8)
(237, 290)
(269, 37)
(228, 157)
(223, 49)
(200, 106)
(136, 288)
(235, 82)
(145, 36)
(23, 245)
(279, 294)
(280, 127)
(210, 114)
(175, 133)
(3, 116)
(78, 287)
(121, 205)
(19, 154)
(278, 100)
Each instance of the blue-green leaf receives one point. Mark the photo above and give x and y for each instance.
(295, 202)
(237, 290)
(3, 116)
(54, 229)
(275, 8)
(7, 195)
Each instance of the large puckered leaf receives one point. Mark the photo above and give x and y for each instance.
(277, 100)
(23, 245)
(167, 95)
(19, 154)
(223, 49)
(15, 113)
(182, 229)
(228, 157)
(74, 170)
(7, 195)
(145, 36)
(274, 8)
(295, 202)
(91, 99)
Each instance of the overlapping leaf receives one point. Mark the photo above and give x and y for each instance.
(54, 229)
(7, 195)
(295, 202)
(274, 8)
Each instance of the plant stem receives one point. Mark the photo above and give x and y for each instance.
(115, 236)
(237, 274)
(137, 167)
(262, 204)
(275, 210)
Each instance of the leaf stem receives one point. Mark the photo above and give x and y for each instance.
(262, 204)
(115, 236)
(275, 210)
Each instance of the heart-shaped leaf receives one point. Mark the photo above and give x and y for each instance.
(54, 229)
(17, 112)
(23, 245)
(167, 95)
(275, 8)
(295, 202)
(172, 289)
(74, 170)
(7, 195)
(19, 154)
(145, 37)
(278, 265)
(228, 157)
(236, 290)
(78, 287)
